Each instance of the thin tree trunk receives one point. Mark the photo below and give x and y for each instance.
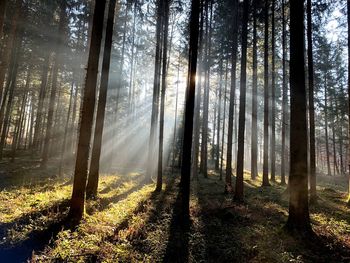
(265, 181)
(284, 97)
(313, 194)
(8, 49)
(254, 132)
(156, 90)
(273, 98)
(223, 123)
(217, 149)
(162, 102)
(228, 179)
(329, 173)
(40, 108)
(56, 66)
(2, 16)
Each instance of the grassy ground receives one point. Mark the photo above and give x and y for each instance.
(131, 223)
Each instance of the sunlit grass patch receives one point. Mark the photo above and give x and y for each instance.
(98, 229)
(17, 202)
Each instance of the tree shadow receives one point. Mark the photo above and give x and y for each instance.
(177, 249)
(29, 218)
(37, 240)
(249, 232)
(103, 203)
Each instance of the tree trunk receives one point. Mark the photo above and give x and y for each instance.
(217, 149)
(348, 155)
(254, 131)
(81, 166)
(273, 98)
(242, 106)
(40, 108)
(298, 219)
(8, 49)
(223, 123)
(284, 97)
(265, 181)
(92, 185)
(313, 194)
(156, 90)
(189, 111)
(162, 102)
(2, 15)
(329, 173)
(228, 179)
(207, 62)
(56, 66)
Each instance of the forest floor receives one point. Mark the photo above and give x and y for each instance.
(131, 223)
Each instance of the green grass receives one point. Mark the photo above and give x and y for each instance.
(130, 223)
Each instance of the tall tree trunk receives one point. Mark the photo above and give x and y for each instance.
(348, 150)
(265, 181)
(223, 123)
(42, 95)
(207, 62)
(284, 97)
(298, 219)
(175, 117)
(156, 90)
(8, 49)
(132, 64)
(189, 111)
(81, 166)
(254, 132)
(162, 102)
(310, 61)
(329, 173)
(228, 179)
(273, 98)
(56, 66)
(242, 106)
(217, 149)
(6, 106)
(92, 185)
(197, 117)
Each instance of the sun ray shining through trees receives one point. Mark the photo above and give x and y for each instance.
(174, 131)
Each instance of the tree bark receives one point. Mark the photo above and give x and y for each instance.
(284, 97)
(189, 111)
(81, 166)
(265, 181)
(228, 179)
(313, 194)
(162, 101)
(92, 185)
(156, 90)
(298, 219)
(242, 106)
(254, 132)
(2, 16)
(56, 65)
(273, 97)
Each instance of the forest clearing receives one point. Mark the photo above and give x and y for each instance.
(175, 131)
